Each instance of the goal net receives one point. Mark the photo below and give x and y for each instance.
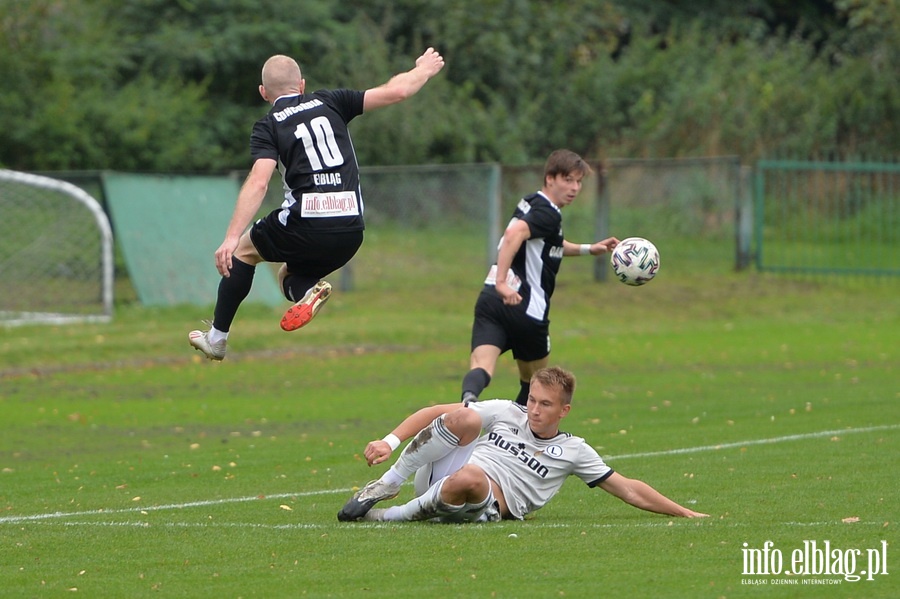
(56, 258)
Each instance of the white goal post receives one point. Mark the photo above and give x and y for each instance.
(56, 253)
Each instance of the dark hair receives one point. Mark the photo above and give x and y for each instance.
(565, 162)
(558, 378)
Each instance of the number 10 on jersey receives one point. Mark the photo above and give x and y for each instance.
(321, 148)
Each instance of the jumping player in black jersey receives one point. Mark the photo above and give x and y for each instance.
(319, 227)
(512, 311)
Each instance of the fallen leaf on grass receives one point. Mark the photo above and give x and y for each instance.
(850, 519)
(286, 507)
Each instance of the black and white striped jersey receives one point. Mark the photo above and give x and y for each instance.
(535, 265)
(307, 135)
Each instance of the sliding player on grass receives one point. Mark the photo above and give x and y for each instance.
(483, 461)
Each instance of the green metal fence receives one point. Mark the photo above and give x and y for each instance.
(707, 216)
(692, 209)
(827, 217)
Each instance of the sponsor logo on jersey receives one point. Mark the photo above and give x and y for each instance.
(517, 450)
(328, 205)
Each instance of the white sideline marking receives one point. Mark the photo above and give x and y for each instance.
(663, 522)
(838, 432)
(210, 502)
(170, 506)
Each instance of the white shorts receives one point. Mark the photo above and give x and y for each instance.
(431, 473)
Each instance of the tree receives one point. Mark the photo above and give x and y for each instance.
(171, 84)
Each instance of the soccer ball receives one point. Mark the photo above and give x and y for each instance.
(635, 261)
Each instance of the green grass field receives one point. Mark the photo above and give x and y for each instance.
(129, 467)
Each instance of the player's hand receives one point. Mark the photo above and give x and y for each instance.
(431, 62)
(693, 514)
(509, 295)
(224, 254)
(377, 452)
(605, 246)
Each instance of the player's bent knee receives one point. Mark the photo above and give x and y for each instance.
(465, 424)
(469, 479)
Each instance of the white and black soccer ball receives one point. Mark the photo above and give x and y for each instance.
(635, 261)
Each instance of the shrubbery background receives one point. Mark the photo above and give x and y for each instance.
(170, 85)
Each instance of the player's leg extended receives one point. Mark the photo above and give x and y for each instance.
(312, 294)
(461, 497)
(526, 371)
(481, 368)
(233, 290)
(314, 256)
(435, 441)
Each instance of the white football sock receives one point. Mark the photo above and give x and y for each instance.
(427, 506)
(215, 335)
(431, 444)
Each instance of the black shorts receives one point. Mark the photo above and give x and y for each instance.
(315, 254)
(509, 328)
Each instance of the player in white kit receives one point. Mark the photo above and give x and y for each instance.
(483, 461)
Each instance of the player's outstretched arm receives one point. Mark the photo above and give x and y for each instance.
(402, 86)
(250, 198)
(641, 495)
(379, 450)
(594, 249)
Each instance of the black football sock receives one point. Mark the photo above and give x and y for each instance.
(524, 386)
(232, 291)
(475, 381)
(296, 286)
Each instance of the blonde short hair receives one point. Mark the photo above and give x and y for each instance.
(555, 377)
(281, 75)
